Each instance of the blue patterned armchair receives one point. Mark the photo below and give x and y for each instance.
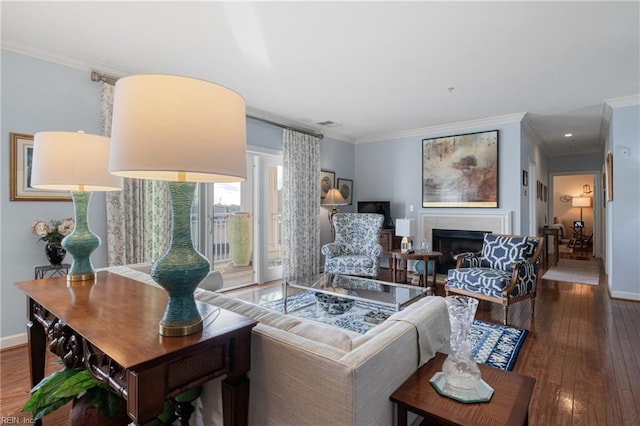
(356, 249)
(506, 271)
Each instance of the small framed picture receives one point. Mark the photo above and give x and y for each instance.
(544, 193)
(345, 186)
(525, 178)
(327, 181)
(21, 157)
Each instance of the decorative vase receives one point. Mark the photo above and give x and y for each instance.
(460, 369)
(84, 413)
(55, 253)
(239, 236)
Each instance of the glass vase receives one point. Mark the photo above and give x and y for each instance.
(460, 369)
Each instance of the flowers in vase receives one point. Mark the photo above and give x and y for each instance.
(54, 231)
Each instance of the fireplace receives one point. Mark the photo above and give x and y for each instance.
(450, 242)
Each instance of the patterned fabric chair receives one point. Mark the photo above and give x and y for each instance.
(356, 249)
(506, 271)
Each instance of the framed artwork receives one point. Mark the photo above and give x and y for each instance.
(544, 193)
(525, 178)
(20, 158)
(460, 171)
(609, 176)
(345, 186)
(327, 181)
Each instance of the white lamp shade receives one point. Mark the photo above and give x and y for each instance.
(581, 202)
(177, 129)
(405, 227)
(334, 198)
(72, 161)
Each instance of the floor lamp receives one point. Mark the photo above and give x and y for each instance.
(580, 202)
(333, 198)
(76, 162)
(181, 130)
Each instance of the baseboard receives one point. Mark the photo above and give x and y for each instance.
(15, 340)
(625, 295)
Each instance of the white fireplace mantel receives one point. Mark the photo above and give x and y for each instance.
(496, 221)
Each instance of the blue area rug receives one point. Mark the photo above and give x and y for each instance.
(494, 345)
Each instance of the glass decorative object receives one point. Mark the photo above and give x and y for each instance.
(460, 377)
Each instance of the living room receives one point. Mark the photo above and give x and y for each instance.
(40, 93)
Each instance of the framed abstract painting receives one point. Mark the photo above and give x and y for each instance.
(460, 171)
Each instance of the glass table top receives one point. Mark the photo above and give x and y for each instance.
(359, 288)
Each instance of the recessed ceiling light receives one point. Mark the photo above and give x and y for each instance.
(568, 135)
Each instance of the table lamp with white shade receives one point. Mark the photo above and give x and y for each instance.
(405, 228)
(76, 162)
(181, 130)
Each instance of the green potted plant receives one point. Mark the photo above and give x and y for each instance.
(94, 403)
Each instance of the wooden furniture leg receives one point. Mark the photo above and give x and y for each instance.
(37, 347)
(235, 400)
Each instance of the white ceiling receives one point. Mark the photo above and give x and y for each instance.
(377, 68)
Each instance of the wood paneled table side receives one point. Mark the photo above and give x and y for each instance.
(509, 404)
(399, 265)
(111, 327)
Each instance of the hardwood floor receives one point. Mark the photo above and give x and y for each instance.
(583, 349)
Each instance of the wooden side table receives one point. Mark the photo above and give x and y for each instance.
(509, 404)
(110, 327)
(399, 265)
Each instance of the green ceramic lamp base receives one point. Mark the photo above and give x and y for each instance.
(181, 268)
(81, 242)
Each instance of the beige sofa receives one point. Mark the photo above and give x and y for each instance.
(307, 373)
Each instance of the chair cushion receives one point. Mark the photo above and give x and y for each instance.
(487, 281)
(500, 252)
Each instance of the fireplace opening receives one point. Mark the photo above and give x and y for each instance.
(450, 242)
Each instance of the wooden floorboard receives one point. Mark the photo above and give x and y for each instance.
(583, 349)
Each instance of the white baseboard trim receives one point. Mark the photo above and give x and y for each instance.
(625, 295)
(15, 340)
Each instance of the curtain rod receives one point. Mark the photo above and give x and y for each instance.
(98, 77)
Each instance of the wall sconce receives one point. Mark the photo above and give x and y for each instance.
(586, 189)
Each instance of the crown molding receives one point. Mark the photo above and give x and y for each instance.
(63, 60)
(459, 126)
(624, 101)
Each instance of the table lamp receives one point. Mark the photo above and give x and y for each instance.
(181, 130)
(76, 162)
(333, 198)
(405, 228)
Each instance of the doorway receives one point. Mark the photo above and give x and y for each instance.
(576, 205)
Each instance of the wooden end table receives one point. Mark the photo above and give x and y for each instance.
(399, 265)
(110, 326)
(509, 404)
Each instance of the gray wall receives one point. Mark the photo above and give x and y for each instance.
(39, 96)
(392, 170)
(623, 214)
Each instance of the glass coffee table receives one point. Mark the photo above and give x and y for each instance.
(393, 295)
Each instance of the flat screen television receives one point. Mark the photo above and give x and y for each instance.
(382, 207)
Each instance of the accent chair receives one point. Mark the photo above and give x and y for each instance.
(356, 249)
(505, 271)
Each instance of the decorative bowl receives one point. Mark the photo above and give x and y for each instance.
(333, 305)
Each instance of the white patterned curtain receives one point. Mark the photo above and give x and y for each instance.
(139, 216)
(301, 204)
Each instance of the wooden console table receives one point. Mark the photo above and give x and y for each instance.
(111, 328)
(509, 404)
